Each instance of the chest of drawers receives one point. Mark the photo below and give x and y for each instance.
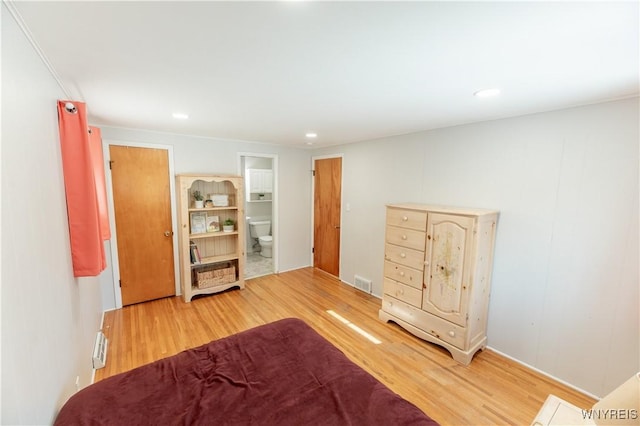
(437, 274)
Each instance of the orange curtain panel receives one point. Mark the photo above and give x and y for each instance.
(81, 180)
(97, 160)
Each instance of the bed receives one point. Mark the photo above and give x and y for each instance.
(281, 373)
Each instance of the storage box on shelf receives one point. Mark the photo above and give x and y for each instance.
(211, 260)
(214, 275)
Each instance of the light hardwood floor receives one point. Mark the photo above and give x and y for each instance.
(492, 390)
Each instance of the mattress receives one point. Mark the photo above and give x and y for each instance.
(281, 373)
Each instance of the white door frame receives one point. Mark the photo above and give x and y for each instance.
(115, 264)
(274, 206)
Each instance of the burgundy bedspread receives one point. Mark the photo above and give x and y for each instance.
(283, 373)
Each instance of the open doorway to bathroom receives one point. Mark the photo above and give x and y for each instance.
(260, 198)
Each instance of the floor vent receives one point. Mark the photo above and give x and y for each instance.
(100, 351)
(363, 284)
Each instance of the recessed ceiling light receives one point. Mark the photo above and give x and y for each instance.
(487, 93)
(311, 135)
(180, 116)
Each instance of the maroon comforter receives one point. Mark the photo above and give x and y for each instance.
(283, 373)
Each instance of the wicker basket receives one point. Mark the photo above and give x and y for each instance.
(215, 275)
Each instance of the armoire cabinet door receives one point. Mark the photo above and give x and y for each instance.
(447, 275)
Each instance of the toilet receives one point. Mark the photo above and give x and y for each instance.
(266, 243)
(259, 231)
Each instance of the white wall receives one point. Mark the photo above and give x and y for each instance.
(49, 319)
(565, 284)
(207, 155)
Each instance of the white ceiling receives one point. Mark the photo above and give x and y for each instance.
(350, 71)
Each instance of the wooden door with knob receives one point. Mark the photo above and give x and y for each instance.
(326, 214)
(142, 205)
(446, 280)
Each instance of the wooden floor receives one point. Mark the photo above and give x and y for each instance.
(492, 390)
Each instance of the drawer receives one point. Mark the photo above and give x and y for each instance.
(406, 237)
(410, 219)
(404, 256)
(437, 327)
(411, 295)
(403, 274)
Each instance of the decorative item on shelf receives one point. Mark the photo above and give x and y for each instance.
(198, 223)
(208, 203)
(213, 223)
(228, 225)
(219, 200)
(197, 195)
(260, 196)
(195, 253)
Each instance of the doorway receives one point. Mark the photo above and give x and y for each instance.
(260, 173)
(327, 208)
(144, 247)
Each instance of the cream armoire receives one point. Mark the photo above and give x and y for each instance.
(437, 274)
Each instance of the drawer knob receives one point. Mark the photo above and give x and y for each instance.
(402, 255)
(404, 218)
(404, 237)
(402, 273)
(452, 333)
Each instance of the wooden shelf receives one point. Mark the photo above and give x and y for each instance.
(195, 291)
(212, 234)
(214, 259)
(212, 209)
(212, 247)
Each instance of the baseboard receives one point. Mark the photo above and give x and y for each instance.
(281, 271)
(544, 373)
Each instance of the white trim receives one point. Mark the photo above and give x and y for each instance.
(274, 200)
(115, 267)
(191, 135)
(544, 373)
(313, 189)
(27, 33)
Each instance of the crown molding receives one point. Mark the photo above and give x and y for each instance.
(10, 5)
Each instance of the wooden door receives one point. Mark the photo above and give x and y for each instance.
(142, 204)
(326, 214)
(449, 241)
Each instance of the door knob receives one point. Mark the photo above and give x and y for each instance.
(167, 233)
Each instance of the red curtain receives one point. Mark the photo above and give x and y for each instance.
(84, 182)
(97, 160)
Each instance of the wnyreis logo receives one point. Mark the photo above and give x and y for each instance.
(609, 414)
